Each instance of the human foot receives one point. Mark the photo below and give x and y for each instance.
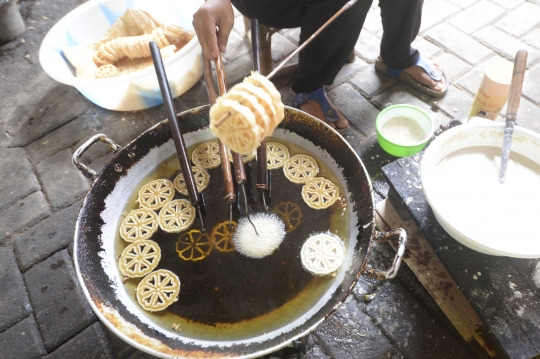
(317, 104)
(424, 76)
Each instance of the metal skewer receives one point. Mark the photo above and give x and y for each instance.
(262, 172)
(230, 196)
(239, 170)
(511, 110)
(345, 7)
(175, 130)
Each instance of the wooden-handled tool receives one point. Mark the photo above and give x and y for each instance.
(518, 75)
(175, 130)
(230, 195)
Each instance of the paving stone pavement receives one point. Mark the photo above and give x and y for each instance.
(43, 313)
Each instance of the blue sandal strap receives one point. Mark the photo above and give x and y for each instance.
(318, 96)
(434, 74)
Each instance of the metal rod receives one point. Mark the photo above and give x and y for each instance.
(175, 127)
(256, 45)
(230, 195)
(246, 206)
(345, 7)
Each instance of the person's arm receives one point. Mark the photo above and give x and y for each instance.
(214, 13)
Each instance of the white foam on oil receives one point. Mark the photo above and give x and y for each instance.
(271, 232)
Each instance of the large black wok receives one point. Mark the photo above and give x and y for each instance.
(96, 259)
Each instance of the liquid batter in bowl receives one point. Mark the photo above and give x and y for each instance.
(469, 197)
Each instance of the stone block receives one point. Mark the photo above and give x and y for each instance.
(458, 43)
(520, 20)
(350, 333)
(119, 347)
(17, 179)
(354, 137)
(456, 103)
(14, 303)
(348, 71)
(47, 237)
(59, 305)
(533, 39)
(315, 352)
(281, 47)
(434, 12)
(368, 47)
(60, 105)
(122, 131)
(88, 344)
(505, 44)
(24, 213)
(236, 46)
(239, 25)
(477, 16)
(508, 4)
(63, 183)
(402, 93)
(462, 3)
(427, 49)
(22, 341)
(373, 23)
(292, 34)
(370, 81)
(531, 90)
(410, 326)
(451, 65)
(62, 137)
(195, 97)
(359, 111)
(527, 115)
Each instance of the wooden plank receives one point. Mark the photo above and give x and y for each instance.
(433, 275)
(502, 294)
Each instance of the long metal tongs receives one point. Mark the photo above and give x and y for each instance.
(518, 75)
(239, 170)
(175, 130)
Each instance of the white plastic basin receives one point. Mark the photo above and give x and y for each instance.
(139, 90)
(516, 214)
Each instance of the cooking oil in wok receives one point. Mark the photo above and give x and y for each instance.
(225, 295)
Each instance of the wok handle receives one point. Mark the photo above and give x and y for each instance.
(87, 171)
(402, 241)
(230, 194)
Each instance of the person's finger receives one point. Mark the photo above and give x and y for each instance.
(206, 33)
(225, 28)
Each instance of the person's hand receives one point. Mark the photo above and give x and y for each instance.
(214, 13)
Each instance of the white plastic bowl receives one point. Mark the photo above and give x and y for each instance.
(481, 132)
(139, 90)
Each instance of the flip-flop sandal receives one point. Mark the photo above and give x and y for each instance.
(405, 77)
(328, 110)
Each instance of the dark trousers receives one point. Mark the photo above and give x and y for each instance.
(322, 59)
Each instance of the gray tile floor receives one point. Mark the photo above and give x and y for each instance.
(42, 310)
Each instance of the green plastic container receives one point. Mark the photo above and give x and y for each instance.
(413, 112)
